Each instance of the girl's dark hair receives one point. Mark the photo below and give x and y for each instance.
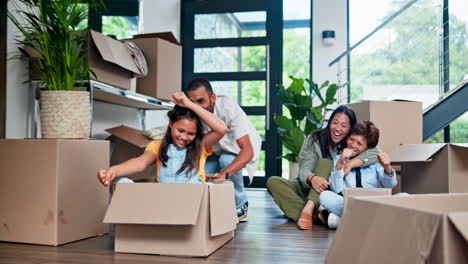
(323, 135)
(368, 130)
(192, 157)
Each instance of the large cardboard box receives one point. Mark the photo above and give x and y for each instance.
(130, 143)
(433, 168)
(429, 228)
(399, 122)
(49, 190)
(172, 218)
(110, 60)
(164, 58)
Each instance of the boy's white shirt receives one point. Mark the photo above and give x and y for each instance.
(238, 125)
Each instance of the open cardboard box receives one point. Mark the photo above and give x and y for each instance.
(172, 218)
(130, 143)
(430, 228)
(432, 168)
(110, 60)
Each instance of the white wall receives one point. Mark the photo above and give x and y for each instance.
(160, 16)
(329, 15)
(19, 94)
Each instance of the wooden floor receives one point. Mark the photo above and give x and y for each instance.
(267, 237)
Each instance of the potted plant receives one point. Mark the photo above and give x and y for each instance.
(56, 51)
(308, 108)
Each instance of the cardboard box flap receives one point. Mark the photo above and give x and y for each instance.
(415, 152)
(114, 51)
(461, 145)
(131, 135)
(162, 35)
(155, 203)
(460, 221)
(223, 215)
(364, 192)
(366, 224)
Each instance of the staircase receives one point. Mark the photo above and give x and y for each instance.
(451, 106)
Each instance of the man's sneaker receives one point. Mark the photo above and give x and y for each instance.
(242, 212)
(333, 221)
(322, 215)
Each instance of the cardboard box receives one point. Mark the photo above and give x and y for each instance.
(49, 190)
(403, 229)
(390, 117)
(172, 218)
(130, 143)
(365, 192)
(110, 61)
(433, 168)
(164, 58)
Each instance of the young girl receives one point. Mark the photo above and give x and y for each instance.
(181, 155)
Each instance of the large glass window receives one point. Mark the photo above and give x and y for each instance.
(296, 39)
(245, 93)
(459, 129)
(458, 41)
(122, 27)
(230, 59)
(400, 61)
(230, 25)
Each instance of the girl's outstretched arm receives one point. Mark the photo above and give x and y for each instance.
(218, 127)
(128, 167)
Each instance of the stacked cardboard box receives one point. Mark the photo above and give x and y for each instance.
(163, 55)
(399, 122)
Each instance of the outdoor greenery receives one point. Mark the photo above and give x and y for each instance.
(304, 115)
(410, 56)
(50, 40)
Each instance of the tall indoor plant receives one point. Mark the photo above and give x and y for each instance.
(308, 105)
(56, 51)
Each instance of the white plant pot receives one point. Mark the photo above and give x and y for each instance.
(293, 170)
(65, 114)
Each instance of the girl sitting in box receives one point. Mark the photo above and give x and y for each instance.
(181, 155)
(363, 135)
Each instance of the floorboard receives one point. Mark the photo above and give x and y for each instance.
(267, 237)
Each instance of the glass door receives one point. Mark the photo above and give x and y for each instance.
(237, 46)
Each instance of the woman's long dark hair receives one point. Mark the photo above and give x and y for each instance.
(323, 135)
(192, 157)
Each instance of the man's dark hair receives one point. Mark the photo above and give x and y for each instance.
(200, 82)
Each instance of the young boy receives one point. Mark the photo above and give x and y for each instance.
(363, 135)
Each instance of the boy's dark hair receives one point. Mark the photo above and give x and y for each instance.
(192, 157)
(368, 130)
(323, 134)
(200, 82)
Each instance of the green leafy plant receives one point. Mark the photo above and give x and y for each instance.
(308, 105)
(50, 41)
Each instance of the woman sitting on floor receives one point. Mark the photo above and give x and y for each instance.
(299, 198)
